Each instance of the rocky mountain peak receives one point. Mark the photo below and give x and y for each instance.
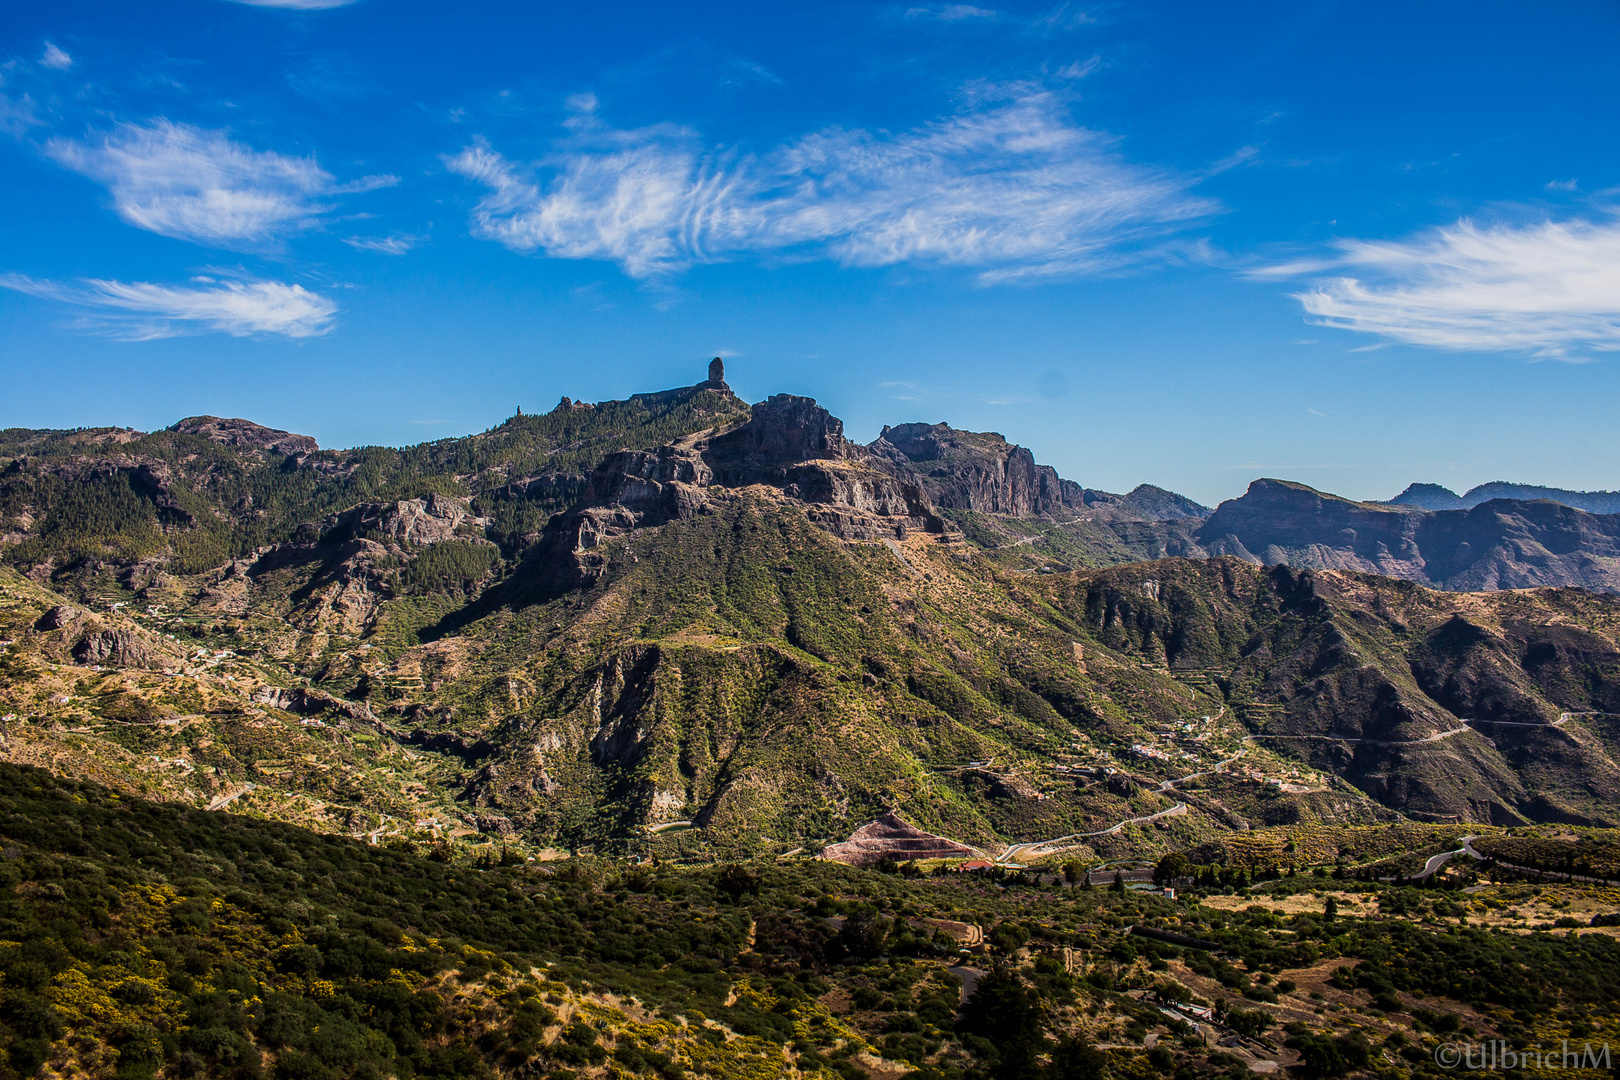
(717, 374)
(238, 432)
(1429, 497)
(972, 470)
(784, 429)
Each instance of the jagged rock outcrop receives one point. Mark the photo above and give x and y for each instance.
(236, 432)
(717, 375)
(660, 485)
(789, 443)
(92, 640)
(355, 552)
(415, 522)
(783, 430)
(968, 470)
(793, 444)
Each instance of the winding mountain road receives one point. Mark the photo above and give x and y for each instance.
(1019, 849)
(1016, 850)
(1436, 737)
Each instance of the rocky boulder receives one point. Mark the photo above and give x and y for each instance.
(413, 522)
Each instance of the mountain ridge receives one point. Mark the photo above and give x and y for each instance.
(1437, 497)
(1499, 544)
(684, 626)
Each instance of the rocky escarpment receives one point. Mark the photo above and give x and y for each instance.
(245, 433)
(789, 444)
(1277, 521)
(357, 556)
(968, 470)
(1502, 544)
(427, 520)
(70, 631)
(981, 471)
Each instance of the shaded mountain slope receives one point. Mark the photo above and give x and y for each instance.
(1501, 544)
(1439, 704)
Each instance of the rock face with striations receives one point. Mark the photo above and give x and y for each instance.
(246, 433)
(981, 471)
(892, 837)
(1276, 517)
(970, 470)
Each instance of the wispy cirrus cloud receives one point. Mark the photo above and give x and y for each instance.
(393, 244)
(200, 185)
(1549, 290)
(140, 311)
(951, 12)
(298, 5)
(1009, 186)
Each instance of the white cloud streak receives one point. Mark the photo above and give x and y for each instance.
(200, 185)
(17, 115)
(1550, 290)
(951, 12)
(1010, 187)
(55, 59)
(139, 311)
(297, 5)
(395, 244)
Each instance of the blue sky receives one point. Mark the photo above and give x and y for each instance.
(1186, 244)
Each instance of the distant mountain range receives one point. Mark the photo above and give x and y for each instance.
(1500, 544)
(1435, 497)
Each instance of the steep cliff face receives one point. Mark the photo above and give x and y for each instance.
(1506, 544)
(981, 472)
(427, 520)
(1281, 522)
(1502, 544)
(968, 470)
(782, 430)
